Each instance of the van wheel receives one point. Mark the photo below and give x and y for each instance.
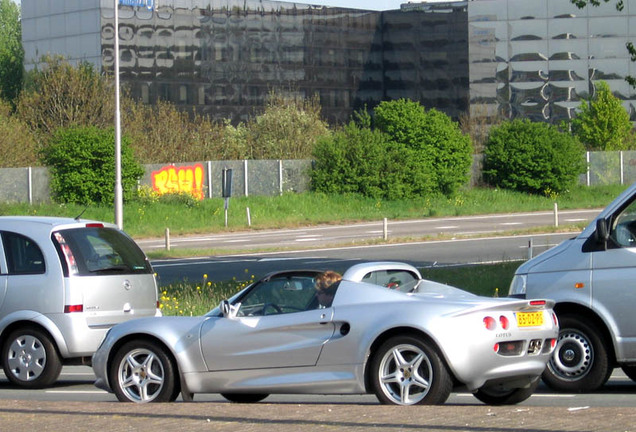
(580, 362)
(29, 359)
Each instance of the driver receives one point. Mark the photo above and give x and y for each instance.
(326, 285)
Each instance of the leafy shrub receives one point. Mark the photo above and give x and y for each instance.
(360, 160)
(440, 156)
(82, 164)
(532, 157)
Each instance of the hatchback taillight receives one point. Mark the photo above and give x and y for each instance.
(73, 308)
(68, 253)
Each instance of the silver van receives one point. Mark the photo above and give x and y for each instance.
(592, 278)
(63, 284)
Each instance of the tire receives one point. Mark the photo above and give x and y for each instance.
(407, 371)
(30, 358)
(492, 396)
(630, 371)
(143, 372)
(244, 397)
(580, 362)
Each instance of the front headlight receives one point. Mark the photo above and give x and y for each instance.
(518, 286)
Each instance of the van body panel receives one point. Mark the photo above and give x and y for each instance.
(595, 274)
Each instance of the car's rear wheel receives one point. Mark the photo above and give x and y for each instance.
(406, 371)
(580, 362)
(29, 358)
(141, 372)
(244, 397)
(494, 396)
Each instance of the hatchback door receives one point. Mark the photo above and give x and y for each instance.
(109, 277)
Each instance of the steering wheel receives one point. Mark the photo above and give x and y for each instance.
(273, 306)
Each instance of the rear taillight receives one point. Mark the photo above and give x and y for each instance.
(503, 321)
(94, 225)
(68, 253)
(490, 323)
(73, 308)
(555, 320)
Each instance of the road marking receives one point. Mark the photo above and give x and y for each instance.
(447, 227)
(510, 223)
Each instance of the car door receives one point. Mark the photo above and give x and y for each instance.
(614, 278)
(277, 325)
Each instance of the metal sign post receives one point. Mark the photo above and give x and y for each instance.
(226, 188)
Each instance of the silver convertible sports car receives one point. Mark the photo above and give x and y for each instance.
(386, 331)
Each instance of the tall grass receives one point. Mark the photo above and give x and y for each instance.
(145, 218)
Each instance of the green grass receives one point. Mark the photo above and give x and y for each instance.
(145, 218)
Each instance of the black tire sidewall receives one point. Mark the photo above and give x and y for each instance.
(52, 365)
(168, 392)
(600, 369)
(441, 385)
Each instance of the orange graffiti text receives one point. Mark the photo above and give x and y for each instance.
(172, 179)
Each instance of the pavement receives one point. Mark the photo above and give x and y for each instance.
(282, 417)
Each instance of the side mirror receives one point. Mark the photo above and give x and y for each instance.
(228, 310)
(602, 232)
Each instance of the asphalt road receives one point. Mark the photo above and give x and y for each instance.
(350, 234)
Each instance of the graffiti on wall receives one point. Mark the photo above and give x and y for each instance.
(173, 179)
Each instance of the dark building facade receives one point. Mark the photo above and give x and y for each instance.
(536, 59)
(224, 57)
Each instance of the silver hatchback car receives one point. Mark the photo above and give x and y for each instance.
(63, 284)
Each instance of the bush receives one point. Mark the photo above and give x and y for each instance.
(352, 160)
(440, 155)
(82, 164)
(532, 157)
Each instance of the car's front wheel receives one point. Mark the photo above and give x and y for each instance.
(29, 358)
(142, 371)
(493, 396)
(580, 362)
(406, 370)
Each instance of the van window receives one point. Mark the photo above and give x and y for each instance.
(92, 250)
(623, 231)
(23, 254)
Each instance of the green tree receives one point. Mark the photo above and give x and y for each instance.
(603, 123)
(532, 157)
(287, 129)
(82, 165)
(18, 147)
(443, 154)
(63, 95)
(11, 51)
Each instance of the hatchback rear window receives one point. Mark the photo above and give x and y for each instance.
(99, 251)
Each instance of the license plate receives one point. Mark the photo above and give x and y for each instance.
(529, 319)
